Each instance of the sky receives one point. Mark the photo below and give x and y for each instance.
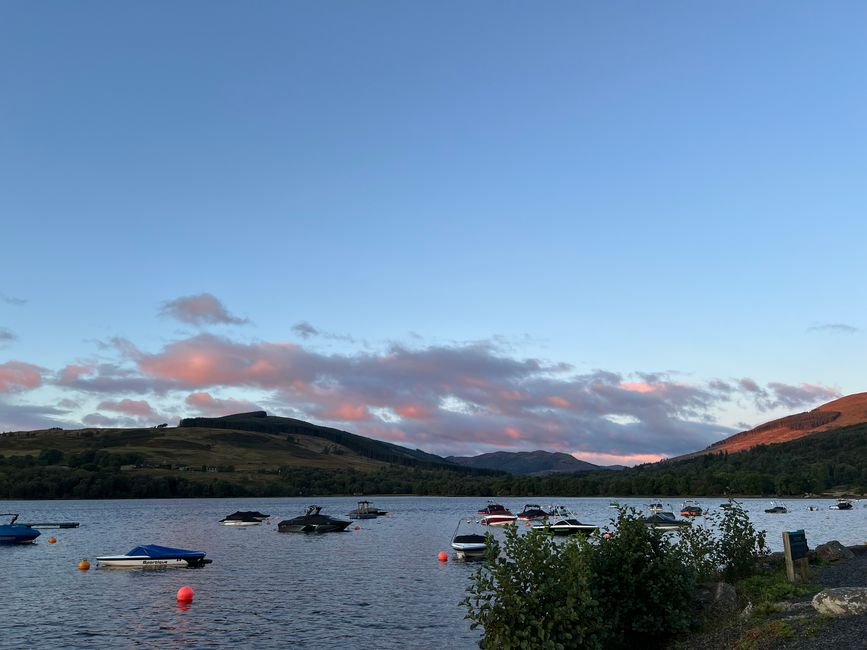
(620, 230)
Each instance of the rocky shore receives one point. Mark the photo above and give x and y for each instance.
(835, 616)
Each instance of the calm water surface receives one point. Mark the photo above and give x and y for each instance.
(377, 587)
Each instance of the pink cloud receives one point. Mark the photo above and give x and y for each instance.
(415, 411)
(640, 387)
(17, 376)
(206, 404)
(601, 458)
(138, 408)
(72, 373)
(347, 413)
(559, 402)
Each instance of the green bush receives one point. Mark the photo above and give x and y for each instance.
(740, 544)
(633, 586)
(641, 583)
(535, 595)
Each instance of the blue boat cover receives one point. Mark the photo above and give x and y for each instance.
(157, 552)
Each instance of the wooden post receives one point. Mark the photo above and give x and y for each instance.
(796, 550)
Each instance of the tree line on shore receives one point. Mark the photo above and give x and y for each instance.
(835, 460)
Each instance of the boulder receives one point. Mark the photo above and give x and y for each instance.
(841, 601)
(717, 598)
(833, 551)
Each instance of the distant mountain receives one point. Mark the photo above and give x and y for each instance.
(528, 462)
(840, 413)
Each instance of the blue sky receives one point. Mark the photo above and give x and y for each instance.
(665, 199)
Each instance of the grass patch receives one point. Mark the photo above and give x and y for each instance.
(766, 589)
(764, 635)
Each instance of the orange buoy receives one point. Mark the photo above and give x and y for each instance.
(84, 565)
(443, 556)
(185, 594)
(52, 540)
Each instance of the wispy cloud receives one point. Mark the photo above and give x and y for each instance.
(27, 417)
(307, 331)
(7, 335)
(200, 309)
(12, 300)
(840, 328)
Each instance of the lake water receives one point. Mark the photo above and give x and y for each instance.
(377, 587)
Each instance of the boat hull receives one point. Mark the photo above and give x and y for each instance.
(235, 522)
(17, 534)
(333, 527)
(126, 562)
(498, 520)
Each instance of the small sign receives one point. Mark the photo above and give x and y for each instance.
(796, 550)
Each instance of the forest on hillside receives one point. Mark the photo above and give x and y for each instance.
(830, 461)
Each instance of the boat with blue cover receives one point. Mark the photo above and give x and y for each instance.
(13, 533)
(153, 556)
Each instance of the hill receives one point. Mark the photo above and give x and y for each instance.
(528, 462)
(237, 455)
(840, 413)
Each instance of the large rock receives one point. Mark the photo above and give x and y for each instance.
(717, 598)
(841, 601)
(833, 551)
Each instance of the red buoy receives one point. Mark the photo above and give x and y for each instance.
(185, 594)
(443, 556)
(52, 540)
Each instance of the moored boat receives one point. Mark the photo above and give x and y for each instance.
(776, 509)
(495, 514)
(842, 504)
(312, 522)
(564, 522)
(665, 521)
(244, 518)
(532, 512)
(366, 510)
(468, 545)
(13, 533)
(152, 556)
(690, 509)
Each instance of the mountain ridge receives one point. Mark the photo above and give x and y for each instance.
(530, 463)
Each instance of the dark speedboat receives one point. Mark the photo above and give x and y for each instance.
(777, 510)
(365, 510)
(156, 557)
(312, 522)
(842, 504)
(13, 533)
(665, 521)
(690, 509)
(532, 512)
(244, 518)
(565, 522)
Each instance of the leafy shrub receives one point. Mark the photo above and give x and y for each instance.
(641, 583)
(740, 545)
(631, 587)
(535, 595)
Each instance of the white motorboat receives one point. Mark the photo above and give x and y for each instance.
(157, 557)
(468, 545)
